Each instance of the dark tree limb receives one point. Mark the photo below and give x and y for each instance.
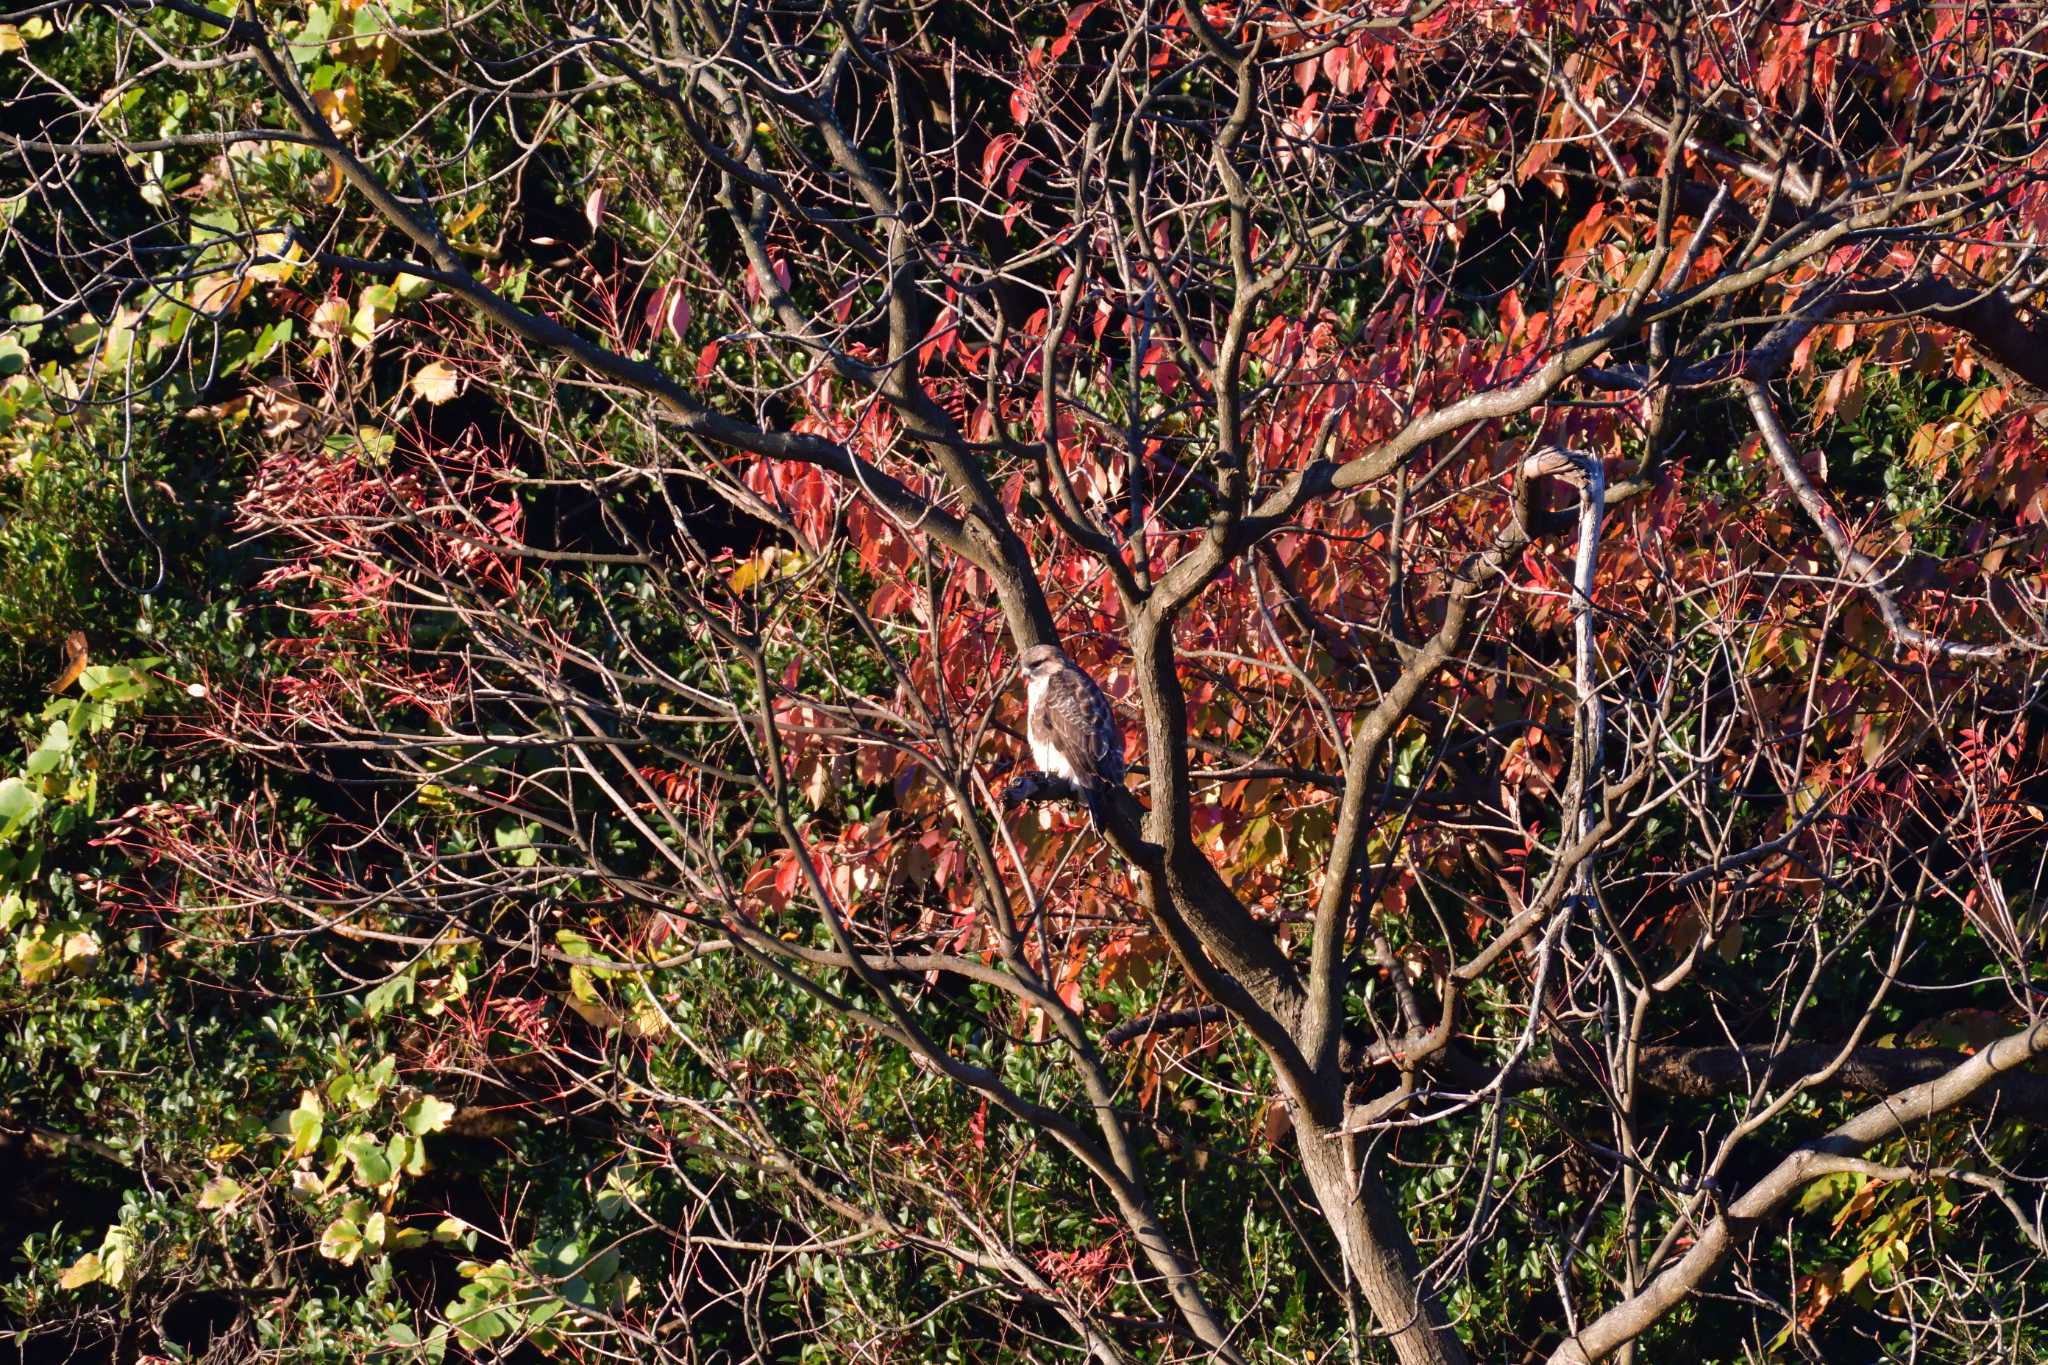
(1895, 1113)
(1705, 1072)
(1166, 1021)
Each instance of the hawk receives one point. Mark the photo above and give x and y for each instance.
(1074, 735)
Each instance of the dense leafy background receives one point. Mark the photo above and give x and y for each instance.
(336, 1028)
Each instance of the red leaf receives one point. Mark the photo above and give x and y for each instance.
(753, 280)
(1075, 18)
(670, 309)
(1017, 169)
(995, 154)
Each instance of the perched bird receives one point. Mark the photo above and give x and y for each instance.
(1555, 460)
(1073, 732)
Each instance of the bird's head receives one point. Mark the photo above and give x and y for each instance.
(1040, 661)
(1556, 461)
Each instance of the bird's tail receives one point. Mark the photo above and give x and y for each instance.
(1098, 807)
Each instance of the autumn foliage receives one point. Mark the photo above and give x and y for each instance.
(1555, 492)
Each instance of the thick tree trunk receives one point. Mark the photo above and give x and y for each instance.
(1377, 1250)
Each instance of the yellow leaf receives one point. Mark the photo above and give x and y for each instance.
(330, 319)
(340, 105)
(772, 561)
(81, 949)
(220, 294)
(15, 37)
(436, 382)
(81, 1272)
(282, 256)
(595, 1013)
(457, 225)
(647, 1022)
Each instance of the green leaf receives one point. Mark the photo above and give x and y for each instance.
(405, 1154)
(83, 335)
(517, 840)
(310, 44)
(220, 1192)
(553, 1256)
(116, 683)
(476, 1315)
(428, 1114)
(381, 999)
(37, 958)
(342, 1241)
(372, 1167)
(600, 1268)
(269, 340)
(115, 1252)
(1825, 1190)
(18, 802)
(617, 1195)
(56, 746)
(305, 1124)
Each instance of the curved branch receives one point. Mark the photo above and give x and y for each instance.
(1627, 1320)
(1857, 567)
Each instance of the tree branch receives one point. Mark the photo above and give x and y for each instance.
(1631, 1318)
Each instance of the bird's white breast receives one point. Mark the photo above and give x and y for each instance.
(1043, 755)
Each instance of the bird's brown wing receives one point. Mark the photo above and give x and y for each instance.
(1109, 735)
(1078, 721)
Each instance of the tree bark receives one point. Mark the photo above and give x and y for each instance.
(1377, 1250)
